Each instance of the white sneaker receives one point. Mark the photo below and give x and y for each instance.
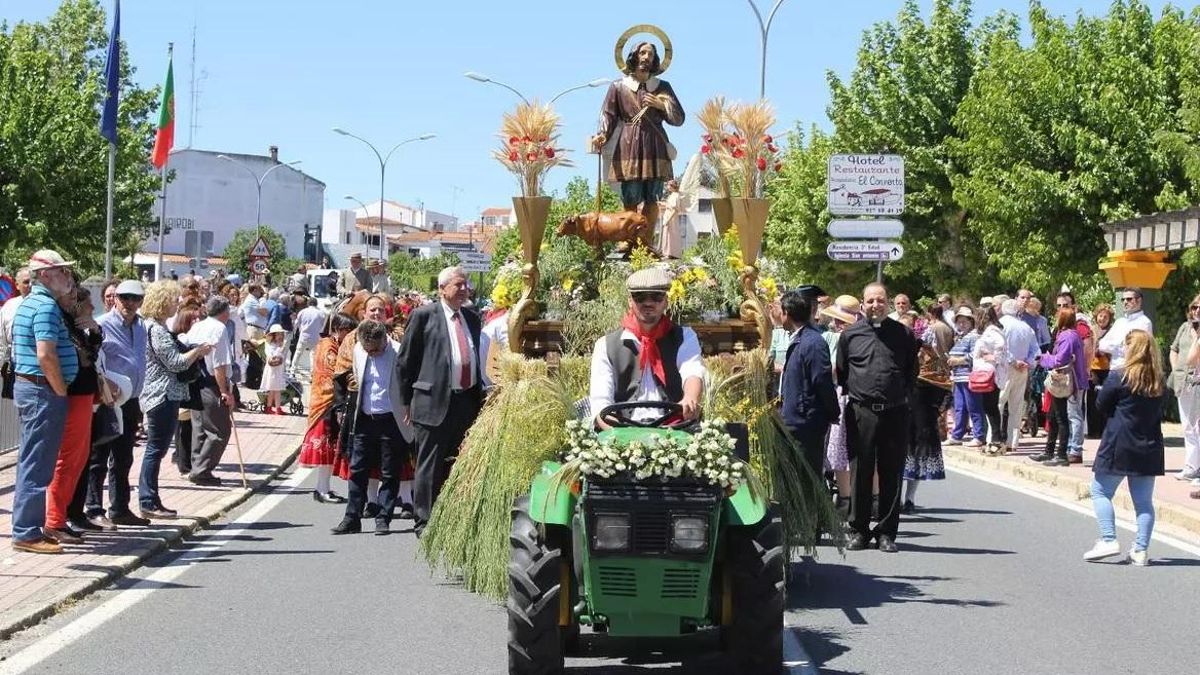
(973, 443)
(951, 441)
(1187, 474)
(1139, 558)
(1103, 549)
(1196, 482)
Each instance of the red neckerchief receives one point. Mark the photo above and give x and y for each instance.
(648, 352)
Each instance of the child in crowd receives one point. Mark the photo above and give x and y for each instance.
(273, 374)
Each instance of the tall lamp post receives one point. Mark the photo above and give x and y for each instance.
(383, 160)
(479, 77)
(258, 182)
(356, 200)
(764, 27)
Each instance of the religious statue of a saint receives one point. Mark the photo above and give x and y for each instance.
(635, 108)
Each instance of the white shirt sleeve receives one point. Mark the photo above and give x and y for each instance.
(602, 384)
(1113, 340)
(689, 358)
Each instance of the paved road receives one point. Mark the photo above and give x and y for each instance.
(988, 580)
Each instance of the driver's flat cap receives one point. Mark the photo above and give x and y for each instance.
(650, 279)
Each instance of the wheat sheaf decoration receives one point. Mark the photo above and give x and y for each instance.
(529, 145)
(738, 143)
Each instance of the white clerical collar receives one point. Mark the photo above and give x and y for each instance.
(632, 84)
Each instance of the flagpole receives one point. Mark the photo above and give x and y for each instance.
(108, 221)
(162, 212)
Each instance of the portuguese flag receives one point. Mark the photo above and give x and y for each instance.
(165, 138)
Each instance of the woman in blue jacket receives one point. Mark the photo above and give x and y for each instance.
(1132, 445)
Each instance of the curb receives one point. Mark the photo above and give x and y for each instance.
(1075, 488)
(123, 565)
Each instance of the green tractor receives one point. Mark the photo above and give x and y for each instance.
(655, 558)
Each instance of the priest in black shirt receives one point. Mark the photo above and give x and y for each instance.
(877, 364)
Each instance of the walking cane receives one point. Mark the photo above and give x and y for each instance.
(237, 444)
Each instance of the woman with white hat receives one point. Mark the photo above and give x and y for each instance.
(274, 376)
(842, 313)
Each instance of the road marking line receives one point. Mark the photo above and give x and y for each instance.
(799, 662)
(1123, 523)
(123, 600)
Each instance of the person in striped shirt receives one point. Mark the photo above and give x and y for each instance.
(45, 363)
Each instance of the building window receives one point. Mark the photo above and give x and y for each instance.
(705, 206)
(347, 237)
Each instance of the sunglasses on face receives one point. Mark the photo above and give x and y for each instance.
(130, 298)
(1129, 299)
(649, 297)
(1193, 308)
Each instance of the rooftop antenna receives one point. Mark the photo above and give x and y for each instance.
(194, 91)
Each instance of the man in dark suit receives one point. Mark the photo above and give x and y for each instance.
(810, 402)
(440, 380)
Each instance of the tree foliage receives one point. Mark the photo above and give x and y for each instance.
(579, 197)
(237, 253)
(412, 272)
(1017, 145)
(53, 161)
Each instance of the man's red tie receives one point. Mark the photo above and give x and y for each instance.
(464, 350)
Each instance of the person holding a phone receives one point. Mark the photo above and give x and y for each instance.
(1184, 381)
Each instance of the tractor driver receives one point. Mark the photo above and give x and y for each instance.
(648, 358)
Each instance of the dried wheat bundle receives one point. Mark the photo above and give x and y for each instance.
(529, 145)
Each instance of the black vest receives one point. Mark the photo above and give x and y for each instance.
(623, 356)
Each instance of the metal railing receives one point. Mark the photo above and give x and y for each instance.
(9, 428)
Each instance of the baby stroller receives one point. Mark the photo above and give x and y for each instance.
(292, 398)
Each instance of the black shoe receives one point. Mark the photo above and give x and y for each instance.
(348, 526)
(1045, 456)
(128, 519)
(908, 507)
(382, 528)
(887, 544)
(84, 525)
(159, 513)
(371, 511)
(406, 512)
(70, 529)
(857, 542)
(330, 497)
(1057, 461)
(205, 479)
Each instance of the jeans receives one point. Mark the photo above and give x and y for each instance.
(1141, 490)
(967, 404)
(160, 428)
(990, 401)
(43, 416)
(1075, 418)
(1060, 428)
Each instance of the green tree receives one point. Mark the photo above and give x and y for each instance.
(411, 272)
(579, 197)
(53, 161)
(237, 253)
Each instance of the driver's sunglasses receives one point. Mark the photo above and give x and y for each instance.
(130, 298)
(649, 296)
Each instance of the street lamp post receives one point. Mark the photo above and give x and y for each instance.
(356, 200)
(258, 182)
(479, 77)
(764, 27)
(383, 160)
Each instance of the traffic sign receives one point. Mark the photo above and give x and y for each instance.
(258, 266)
(865, 251)
(474, 261)
(867, 228)
(259, 249)
(865, 185)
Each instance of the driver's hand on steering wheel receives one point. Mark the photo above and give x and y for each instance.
(691, 408)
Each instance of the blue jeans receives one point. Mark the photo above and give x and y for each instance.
(160, 429)
(1075, 418)
(1141, 490)
(43, 416)
(967, 403)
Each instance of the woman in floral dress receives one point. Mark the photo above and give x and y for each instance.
(842, 313)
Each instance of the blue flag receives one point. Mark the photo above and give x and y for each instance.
(112, 80)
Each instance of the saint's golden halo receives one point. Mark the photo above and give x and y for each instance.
(619, 55)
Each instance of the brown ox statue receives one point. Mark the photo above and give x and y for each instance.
(629, 227)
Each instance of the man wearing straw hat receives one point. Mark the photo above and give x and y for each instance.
(648, 358)
(45, 363)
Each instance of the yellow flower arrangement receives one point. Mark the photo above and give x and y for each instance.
(508, 288)
(768, 288)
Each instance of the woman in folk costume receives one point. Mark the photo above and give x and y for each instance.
(319, 449)
(924, 457)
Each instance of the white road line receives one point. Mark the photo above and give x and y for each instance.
(1123, 523)
(795, 659)
(37, 652)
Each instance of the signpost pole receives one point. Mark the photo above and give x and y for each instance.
(879, 272)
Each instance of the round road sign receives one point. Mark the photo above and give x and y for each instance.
(259, 266)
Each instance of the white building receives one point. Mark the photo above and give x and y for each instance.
(211, 198)
(698, 221)
(360, 227)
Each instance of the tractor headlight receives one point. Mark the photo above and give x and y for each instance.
(689, 534)
(612, 532)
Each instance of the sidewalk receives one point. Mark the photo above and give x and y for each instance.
(33, 586)
(1175, 512)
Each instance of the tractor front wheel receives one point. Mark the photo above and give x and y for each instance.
(754, 558)
(535, 643)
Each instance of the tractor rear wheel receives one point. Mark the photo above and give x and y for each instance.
(535, 641)
(754, 558)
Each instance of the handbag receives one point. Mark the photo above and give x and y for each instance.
(982, 381)
(8, 378)
(1059, 381)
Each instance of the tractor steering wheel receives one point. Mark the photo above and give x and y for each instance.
(614, 415)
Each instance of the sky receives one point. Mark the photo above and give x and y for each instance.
(285, 72)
